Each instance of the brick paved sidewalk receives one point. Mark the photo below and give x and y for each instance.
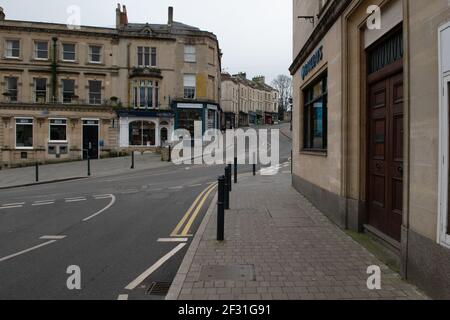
(293, 250)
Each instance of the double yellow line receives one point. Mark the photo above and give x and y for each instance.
(192, 213)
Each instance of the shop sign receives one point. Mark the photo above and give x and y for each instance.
(312, 62)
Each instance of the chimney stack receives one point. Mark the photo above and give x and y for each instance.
(2, 14)
(121, 17)
(170, 21)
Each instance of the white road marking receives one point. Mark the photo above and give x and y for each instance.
(173, 240)
(130, 191)
(27, 250)
(123, 297)
(14, 204)
(154, 190)
(43, 203)
(155, 267)
(52, 237)
(175, 188)
(75, 200)
(11, 207)
(195, 185)
(113, 200)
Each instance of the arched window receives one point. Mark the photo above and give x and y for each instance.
(142, 133)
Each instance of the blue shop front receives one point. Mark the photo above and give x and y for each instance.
(187, 113)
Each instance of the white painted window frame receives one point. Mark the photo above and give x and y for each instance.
(15, 132)
(444, 105)
(50, 124)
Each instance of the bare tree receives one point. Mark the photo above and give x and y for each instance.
(283, 84)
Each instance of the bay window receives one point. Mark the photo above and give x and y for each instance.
(145, 94)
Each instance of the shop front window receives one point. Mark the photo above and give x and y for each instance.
(24, 133)
(315, 116)
(58, 130)
(142, 133)
(187, 118)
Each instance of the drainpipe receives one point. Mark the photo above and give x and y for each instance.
(54, 71)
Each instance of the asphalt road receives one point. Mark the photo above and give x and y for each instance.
(124, 232)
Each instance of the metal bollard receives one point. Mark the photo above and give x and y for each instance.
(170, 154)
(89, 163)
(37, 171)
(132, 159)
(235, 169)
(227, 188)
(254, 169)
(221, 209)
(230, 182)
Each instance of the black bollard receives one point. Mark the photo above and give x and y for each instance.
(221, 209)
(170, 154)
(132, 160)
(37, 171)
(254, 169)
(89, 164)
(227, 188)
(235, 169)
(230, 184)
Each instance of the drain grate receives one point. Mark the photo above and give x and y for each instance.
(158, 288)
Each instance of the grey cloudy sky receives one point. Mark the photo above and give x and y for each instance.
(255, 35)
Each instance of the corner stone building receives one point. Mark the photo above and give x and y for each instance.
(371, 125)
(68, 91)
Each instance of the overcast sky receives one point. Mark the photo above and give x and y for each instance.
(255, 35)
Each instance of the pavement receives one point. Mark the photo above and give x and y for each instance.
(279, 246)
(78, 169)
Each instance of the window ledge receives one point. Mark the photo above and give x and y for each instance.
(312, 152)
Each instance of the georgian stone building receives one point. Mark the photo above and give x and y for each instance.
(248, 102)
(68, 91)
(371, 124)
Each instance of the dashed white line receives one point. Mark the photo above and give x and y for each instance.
(175, 188)
(123, 297)
(52, 237)
(13, 204)
(173, 240)
(155, 267)
(75, 200)
(195, 185)
(11, 207)
(43, 203)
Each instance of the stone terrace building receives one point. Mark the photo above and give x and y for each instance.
(371, 124)
(248, 102)
(70, 91)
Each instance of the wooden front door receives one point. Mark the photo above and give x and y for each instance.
(385, 147)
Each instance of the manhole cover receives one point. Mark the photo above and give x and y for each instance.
(236, 273)
(158, 289)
